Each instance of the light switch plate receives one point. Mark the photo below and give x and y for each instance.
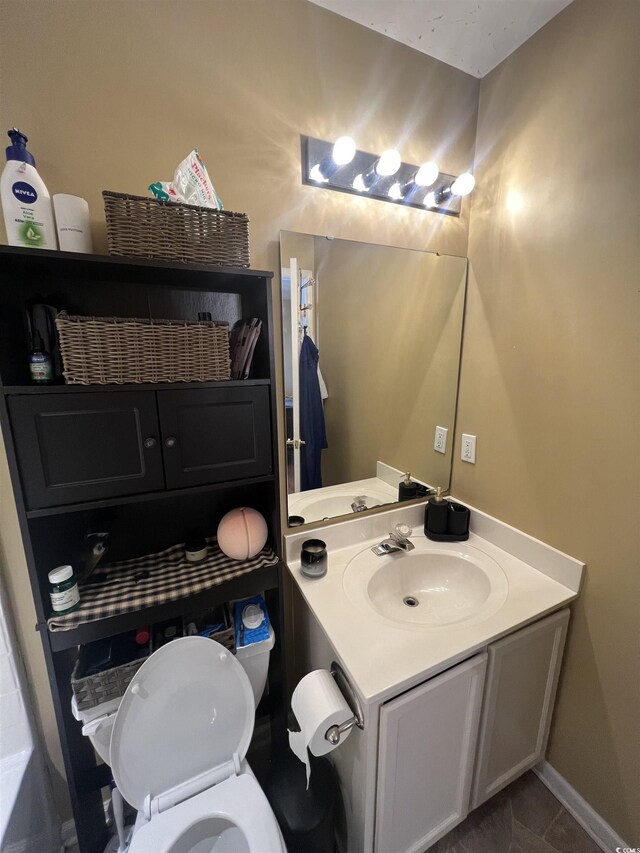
(440, 441)
(468, 453)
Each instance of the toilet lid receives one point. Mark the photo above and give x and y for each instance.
(188, 709)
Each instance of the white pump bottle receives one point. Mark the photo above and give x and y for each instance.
(26, 204)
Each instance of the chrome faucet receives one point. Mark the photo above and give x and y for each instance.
(398, 540)
(359, 504)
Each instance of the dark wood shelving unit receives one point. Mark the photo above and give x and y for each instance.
(59, 388)
(144, 497)
(151, 509)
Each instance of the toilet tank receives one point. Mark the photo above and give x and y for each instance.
(97, 722)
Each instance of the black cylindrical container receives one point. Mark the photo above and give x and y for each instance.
(436, 515)
(407, 489)
(295, 521)
(458, 519)
(313, 558)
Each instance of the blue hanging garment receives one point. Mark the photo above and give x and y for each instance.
(312, 428)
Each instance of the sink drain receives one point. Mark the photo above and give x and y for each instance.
(410, 601)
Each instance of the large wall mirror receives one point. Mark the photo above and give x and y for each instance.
(372, 337)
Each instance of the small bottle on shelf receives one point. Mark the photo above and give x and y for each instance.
(40, 361)
(64, 594)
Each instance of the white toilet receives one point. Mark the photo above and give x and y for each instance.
(178, 749)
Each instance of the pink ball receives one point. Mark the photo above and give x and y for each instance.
(242, 533)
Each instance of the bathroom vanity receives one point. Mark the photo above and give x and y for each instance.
(454, 651)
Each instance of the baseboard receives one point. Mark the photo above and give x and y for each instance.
(594, 825)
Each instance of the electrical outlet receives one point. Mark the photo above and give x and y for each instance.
(440, 442)
(468, 448)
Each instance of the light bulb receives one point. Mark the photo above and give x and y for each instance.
(463, 184)
(316, 175)
(426, 175)
(430, 200)
(359, 184)
(395, 192)
(344, 150)
(388, 163)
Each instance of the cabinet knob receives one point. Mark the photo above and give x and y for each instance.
(149, 442)
(170, 442)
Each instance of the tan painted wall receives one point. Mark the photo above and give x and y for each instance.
(119, 92)
(550, 361)
(389, 333)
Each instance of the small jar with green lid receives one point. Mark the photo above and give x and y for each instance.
(64, 594)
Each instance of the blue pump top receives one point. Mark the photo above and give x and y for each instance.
(18, 148)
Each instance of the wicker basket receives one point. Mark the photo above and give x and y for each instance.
(148, 228)
(92, 690)
(113, 350)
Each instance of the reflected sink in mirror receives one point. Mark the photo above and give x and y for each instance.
(321, 504)
(433, 586)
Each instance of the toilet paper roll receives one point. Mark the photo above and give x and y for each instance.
(318, 704)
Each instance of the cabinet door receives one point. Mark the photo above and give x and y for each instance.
(522, 676)
(86, 446)
(425, 764)
(215, 434)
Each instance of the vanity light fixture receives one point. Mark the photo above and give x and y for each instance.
(359, 184)
(461, 186)
(385, 166)
(343, 152)
(341, 166)
(425, 176)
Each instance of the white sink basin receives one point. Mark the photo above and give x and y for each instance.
(435, 585)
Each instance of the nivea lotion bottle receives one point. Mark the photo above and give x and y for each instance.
(26, 204)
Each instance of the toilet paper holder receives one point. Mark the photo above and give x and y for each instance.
(333, 733)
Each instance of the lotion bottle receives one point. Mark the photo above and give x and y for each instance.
(26, 204)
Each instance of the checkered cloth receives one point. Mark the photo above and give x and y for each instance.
(155, 579)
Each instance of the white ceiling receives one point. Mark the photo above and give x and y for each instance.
(472, 35)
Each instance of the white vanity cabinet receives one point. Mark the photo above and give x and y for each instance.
(520, 689)
(427, 743)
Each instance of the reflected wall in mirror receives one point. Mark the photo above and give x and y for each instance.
(387, 325)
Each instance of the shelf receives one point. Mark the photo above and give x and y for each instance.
(146, 497)
(12, 390)
(243, 586)
(119, 261)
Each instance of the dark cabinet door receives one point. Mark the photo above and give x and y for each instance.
(86, 446)
(215, 434)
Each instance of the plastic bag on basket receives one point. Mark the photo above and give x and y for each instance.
(191, 185)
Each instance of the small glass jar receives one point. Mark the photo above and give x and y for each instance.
(313, 558)
(64, 594)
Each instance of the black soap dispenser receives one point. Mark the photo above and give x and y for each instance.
(407, 489)
(436, 515)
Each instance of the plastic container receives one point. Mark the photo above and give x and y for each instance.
(26, 203)
(97, 723)
(64, 594)
(255, 662)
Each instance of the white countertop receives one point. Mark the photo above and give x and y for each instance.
(382, 659)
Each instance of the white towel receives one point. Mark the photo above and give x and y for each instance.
(323, 388)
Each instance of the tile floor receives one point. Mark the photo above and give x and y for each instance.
(524, 818)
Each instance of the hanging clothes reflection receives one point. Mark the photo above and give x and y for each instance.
(312, 426)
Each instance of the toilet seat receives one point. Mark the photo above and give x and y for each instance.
(178, 745)
(183, 725)
(240, 800)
